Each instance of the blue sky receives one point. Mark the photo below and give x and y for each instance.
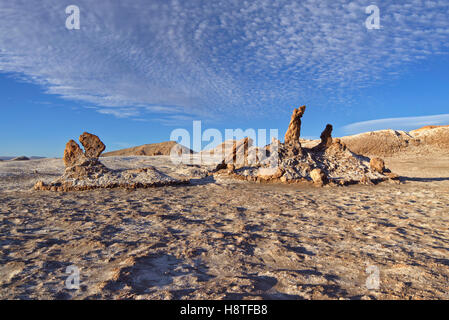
(138, 69)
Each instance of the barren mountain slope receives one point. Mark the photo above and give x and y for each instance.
(154, 149)
(387, 143)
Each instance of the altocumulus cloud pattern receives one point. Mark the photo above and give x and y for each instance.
(210, 57)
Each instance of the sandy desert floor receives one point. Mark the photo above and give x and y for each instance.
(225, 240)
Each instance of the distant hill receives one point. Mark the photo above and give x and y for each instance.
(221, 149)
(427, 128)
(154, 149)
(4, 158)
(390, 142)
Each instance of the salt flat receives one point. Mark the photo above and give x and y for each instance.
(225, 240)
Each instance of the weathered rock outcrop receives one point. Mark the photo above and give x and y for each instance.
(93, 146)
(329, 162)
(80, 165)
(294, 128)
(377, 164)
(72, 153)
(326, 138)
(239, 153)
(270, 174)
(235, 154)
(318, 176)
(85, 172)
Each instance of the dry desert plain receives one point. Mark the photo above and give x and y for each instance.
(219, 238)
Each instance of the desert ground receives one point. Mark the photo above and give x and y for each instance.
(223, 239)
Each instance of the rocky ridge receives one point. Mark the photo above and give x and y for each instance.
(154, 149)
(388, 143)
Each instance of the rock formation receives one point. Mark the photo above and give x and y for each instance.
(84, 171)
(269, 174)
(318, 176)
(72, 153)
(326, 138)
(93, 146)
(294, 129)
(236, 156)
(330, 162)
(81, 165)
(377, 164)
(239, 153)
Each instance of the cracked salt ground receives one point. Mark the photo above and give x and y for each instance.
(237, 240)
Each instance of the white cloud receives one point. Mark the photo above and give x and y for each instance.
(174, 120)
(215, 58)
(119, 112)
(406, 123)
